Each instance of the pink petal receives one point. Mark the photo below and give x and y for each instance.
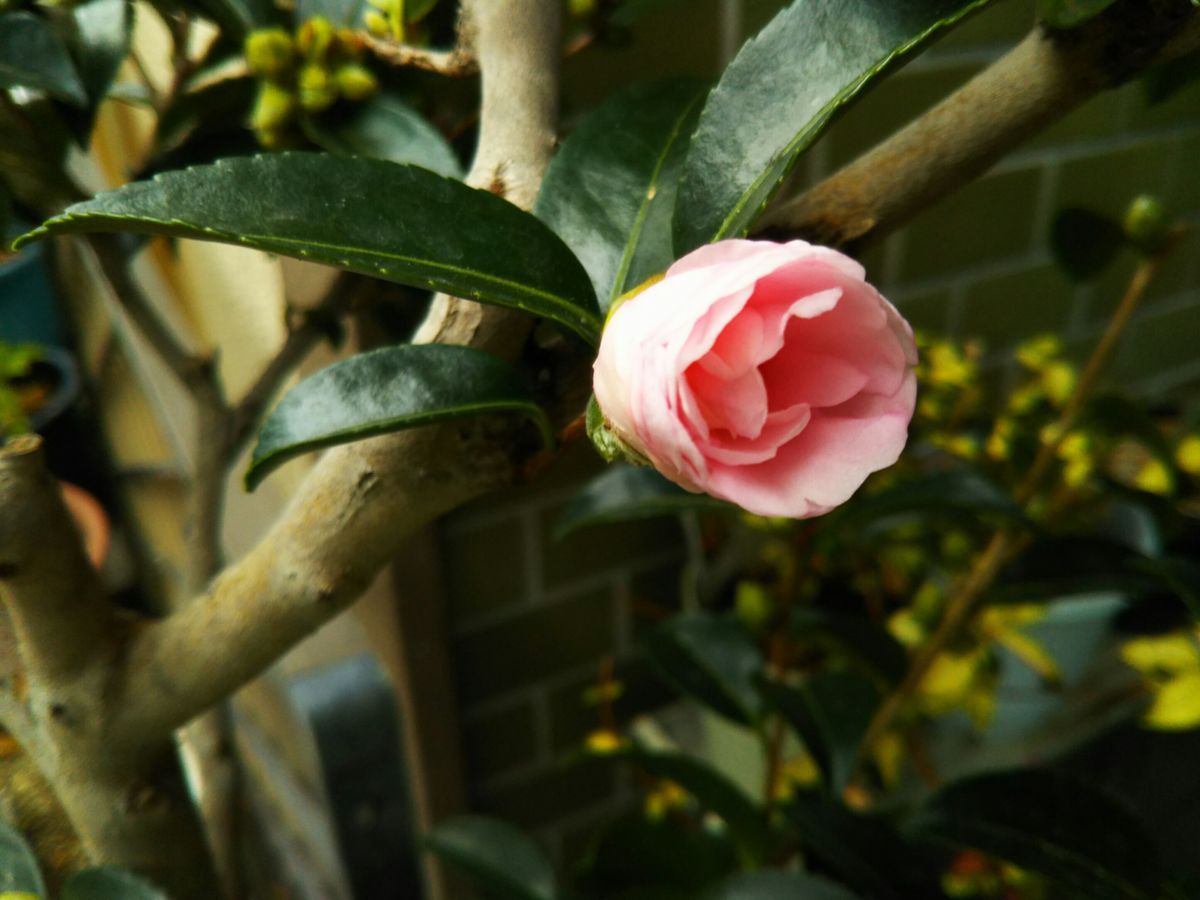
(779, 428)
(737, 405)
(816, 379)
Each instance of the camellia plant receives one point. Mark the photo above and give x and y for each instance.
(643, 280)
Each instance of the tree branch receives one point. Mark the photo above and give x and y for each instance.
(454, 63)
(362, 499)
(1045, 76)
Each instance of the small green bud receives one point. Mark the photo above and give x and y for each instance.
(376, 23)
(315, 38)
(273, 108)
(355, 82)
(270, 52)
(753, 605)
(317, 91)
(581, 9)
(1146, 223)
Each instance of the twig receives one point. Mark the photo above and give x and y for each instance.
(456, 63)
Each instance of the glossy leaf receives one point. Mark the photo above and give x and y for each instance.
(623, 493)
(712, 790)
(865, 640)
(386, 127)
(778, 885)
(1085, 842)
(779, 94)
(19, 870)
(1070, 13)
(960, 492)
(610, 190)
(711, 658)
(100, 42)
(830, 711)
(496, 856)
(388, 390)
(32, 56)
(397, 222)
(1084, 242)
(866, 853)
(109, 884)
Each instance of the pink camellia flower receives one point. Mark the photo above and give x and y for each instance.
(770, 375)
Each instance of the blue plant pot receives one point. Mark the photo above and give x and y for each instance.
(28, 307)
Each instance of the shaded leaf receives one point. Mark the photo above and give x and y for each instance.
(1162, 82)
(864, 639)
(1083, 840)
(340, 12)
(219, 106)
(711, 658)
(1084, 242)
(1061, 568)
(1070, 13)
(18, 867)
(385, 127)
(388, 390)
(830, 711)
(109, 884)
(864, 852)
(32, 56)
(776, 885)
(712, 790)
(622, 493)
(637, 852)
(496, 856)
(610, 190)
(99, 44)
(239, 17)
(401, 223)
(779, 94)
(958, 492)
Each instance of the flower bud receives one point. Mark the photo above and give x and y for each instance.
(270, 52)
(274, 107)
(317, 91)
(315, 38)
(355, 82)
(376, 23)
(1146, 223)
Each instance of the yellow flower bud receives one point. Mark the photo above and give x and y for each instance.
(270, 53)
(753, 604)
(355, 82)
(603, 742)
(376, 24)
(1037, 352)
(1187, 454)
(315, 38)
(317, 91)
(273, 109)
(1146, 223)
(1059, 379)
(1154, 478)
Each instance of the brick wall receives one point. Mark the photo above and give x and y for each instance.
(532, 619)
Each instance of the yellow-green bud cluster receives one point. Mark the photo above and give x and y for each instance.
(303, 74)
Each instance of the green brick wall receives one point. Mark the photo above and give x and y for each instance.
(533, 619)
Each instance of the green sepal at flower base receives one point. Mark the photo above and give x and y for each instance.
(606, 441)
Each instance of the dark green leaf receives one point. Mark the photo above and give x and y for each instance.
(220, 106)
(622, 493)
(711, 658)
(1084, 242)
(340, 12)
(830, 711)
(385, 127)
(610, 191)
(99, 44)
(109, 884)
(959, 492)
(32, 56)
(1117, 416)
(712, 790)
(1179, 575)
(775, 885)
(387, 390)
(865, 640)
(1061, 568)
(18, 866)
(239, 17)
(1083, 840)
(864, 852)
(1162, 82)
(496, 856)
(779, 94)
(1070, 13)
(637, 852)
(397, 222)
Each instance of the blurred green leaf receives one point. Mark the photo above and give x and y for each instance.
(220, 106)
(778, 95)
(1086, 843)
(99, 43)
(1084, 242)
(959, 492)
(830, 711)
(610, 190)
(239, 17)
(32, 56)
(865, 640)
(388, 390)
(622, 493)
(866, 853)
(401, 223)
(711, 658)
(109, 884)
(1162, 82)
(18, 867)
(1061, 568)
(712, 790)
(777, 885)
(385, 127)
(496, 856)
(635, 852)
(348, 13)
(1070, 13)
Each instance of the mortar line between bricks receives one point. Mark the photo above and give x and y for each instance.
(1165, 381)
(550, 683)
(1076, 150)
(1012, 265)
